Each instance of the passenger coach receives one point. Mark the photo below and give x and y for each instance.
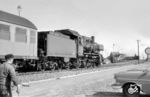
(17, 36)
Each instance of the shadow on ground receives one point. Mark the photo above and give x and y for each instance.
(111, 94)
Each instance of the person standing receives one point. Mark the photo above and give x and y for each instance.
(8, 75)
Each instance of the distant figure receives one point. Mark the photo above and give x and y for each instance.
(8, 75)
(41, 53)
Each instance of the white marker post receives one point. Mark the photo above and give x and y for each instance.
(147, 51)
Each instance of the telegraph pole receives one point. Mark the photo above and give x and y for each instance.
(138, 51)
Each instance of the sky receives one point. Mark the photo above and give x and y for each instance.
(118, 22)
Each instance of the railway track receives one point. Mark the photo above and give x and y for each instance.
(80, 69)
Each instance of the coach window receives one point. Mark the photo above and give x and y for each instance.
(32, 36)
(21, 35)
(4, 32)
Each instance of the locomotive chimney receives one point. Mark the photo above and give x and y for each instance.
(93, 39)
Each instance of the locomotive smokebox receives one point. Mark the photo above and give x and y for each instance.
(93, 39)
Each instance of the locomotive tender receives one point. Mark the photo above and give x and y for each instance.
(46, 49)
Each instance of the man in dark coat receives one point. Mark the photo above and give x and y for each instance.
(8, 75)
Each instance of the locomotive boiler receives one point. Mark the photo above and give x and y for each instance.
(91, 52)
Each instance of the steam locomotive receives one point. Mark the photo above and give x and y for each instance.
(59, 49)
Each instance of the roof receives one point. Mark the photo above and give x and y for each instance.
(69, 32)
(14, 19)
